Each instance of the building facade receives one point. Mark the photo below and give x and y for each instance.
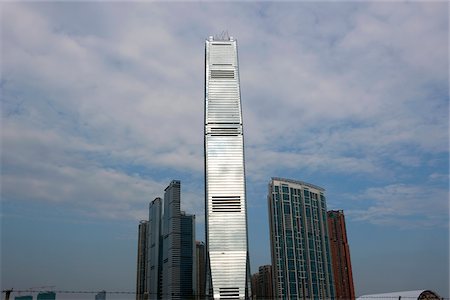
(200, 258)
(154, 249)
(225, 198)
(188, 271)
(300, 248)
(141, 270)
(262, 284)
(340, 255)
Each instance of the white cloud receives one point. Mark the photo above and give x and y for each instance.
(343, 94)
(403, 205)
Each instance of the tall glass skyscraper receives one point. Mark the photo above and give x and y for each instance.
(300, 247)
(170, 269)
(225, 203)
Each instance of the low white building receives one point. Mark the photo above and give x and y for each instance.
(411, 295)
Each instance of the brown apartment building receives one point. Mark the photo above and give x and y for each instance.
(340, 255)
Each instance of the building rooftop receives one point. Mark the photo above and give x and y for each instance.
(299, 182)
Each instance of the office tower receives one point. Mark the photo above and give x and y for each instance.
(178, 247)
(225, 202)
(262, 283)
(265, 282)
(200, 257)
(141, 270)
(154, 249)
(255, 286)
(299, 240)
(166, 250)
(340, 255)
(101, 295)
(46, 296)
(188, 274)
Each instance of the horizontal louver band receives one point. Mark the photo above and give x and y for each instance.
(229, 293)
(226, 204)
(222, 74)
(224, 131)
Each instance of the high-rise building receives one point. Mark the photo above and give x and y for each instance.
(101, 295)
(300, 248)
(262, 284)
(141, 276)
(225, 198)
(154, 249)
(170, 271)
(188, 274)
(178, 236)
(340, 255)
(200, 258)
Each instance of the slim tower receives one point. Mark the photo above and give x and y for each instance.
(141, 270)
(340, 253)
(225, 202)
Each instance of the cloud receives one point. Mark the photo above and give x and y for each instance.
(118, 99)
(403, 205)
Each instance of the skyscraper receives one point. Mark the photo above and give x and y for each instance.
(200, 258)
(178, 236)
(170, 269)
(188, 270)
(340, 255)
(225, 202)
(154, 249)
(299, 240)
(141, 270)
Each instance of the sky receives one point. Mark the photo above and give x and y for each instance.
(102, 106)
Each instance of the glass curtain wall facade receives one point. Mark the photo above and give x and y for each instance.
(299, 240)
(188, 270)
(225, 203)
(154, 250)
(171, 268)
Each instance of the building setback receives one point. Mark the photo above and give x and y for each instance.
(225, 202)
(340, 255)
(300, 248)
(141, 270)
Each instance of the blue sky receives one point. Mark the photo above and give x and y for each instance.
(102, 106)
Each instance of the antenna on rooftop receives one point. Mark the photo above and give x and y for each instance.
(223, 36)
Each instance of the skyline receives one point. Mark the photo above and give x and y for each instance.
(98, 116)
